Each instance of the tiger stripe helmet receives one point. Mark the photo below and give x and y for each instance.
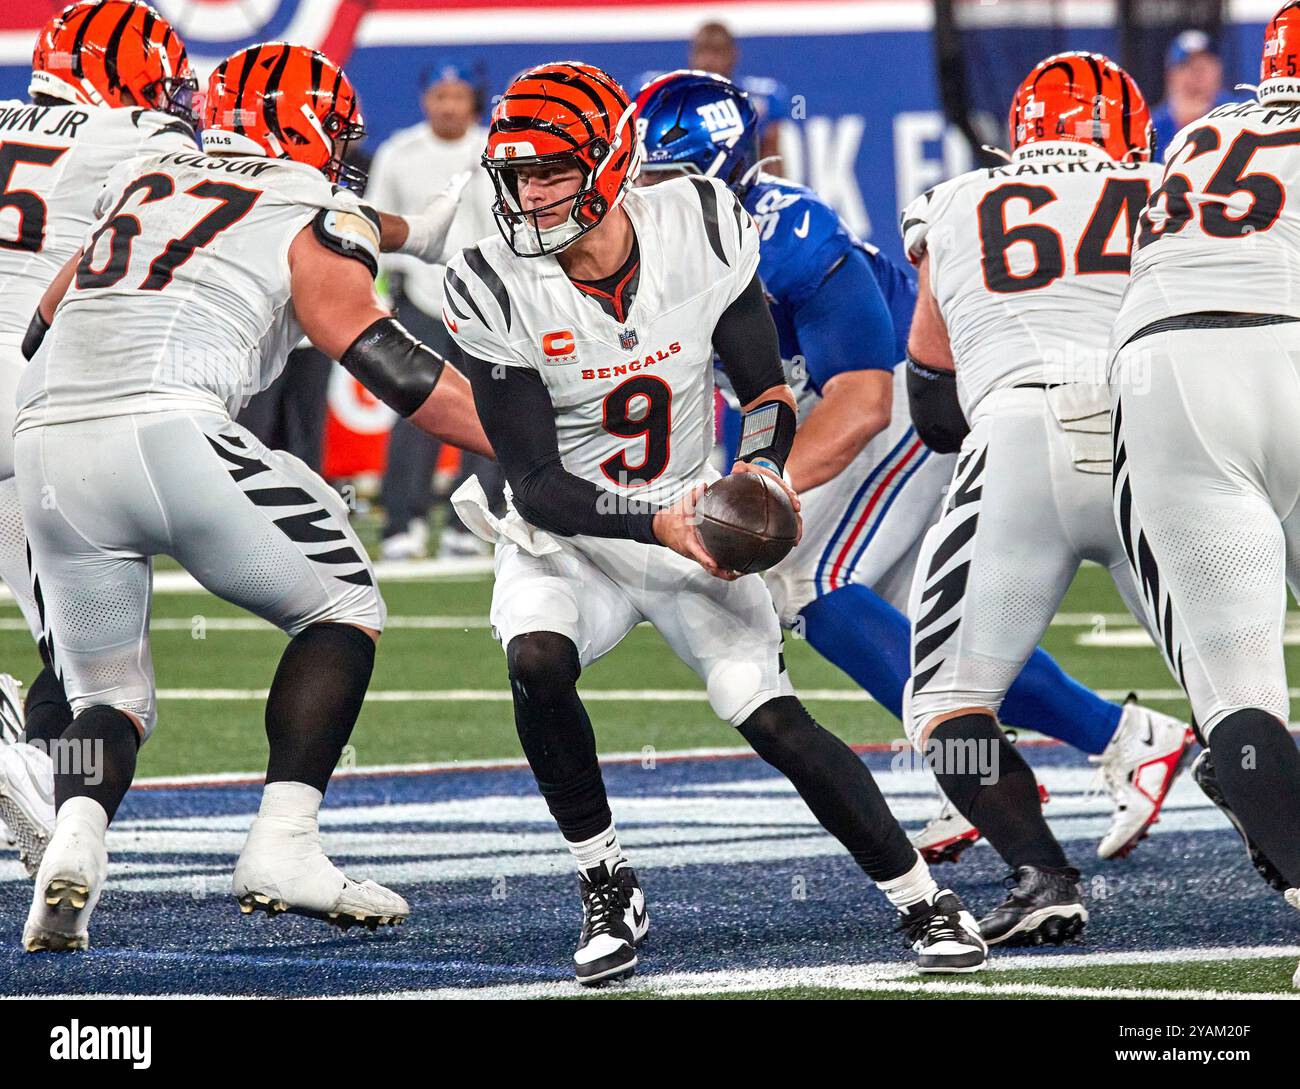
(114, 53)
(285, 102)
(563, 113)
(1279, 67)
(1085, 98)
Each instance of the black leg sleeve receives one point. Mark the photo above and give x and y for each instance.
(1258, 768)
(837, 785)
(993, 788)
(315, 698)
(95, 758)
(556, 733)
(47, 710)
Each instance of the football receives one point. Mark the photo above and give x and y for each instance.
(747, 522)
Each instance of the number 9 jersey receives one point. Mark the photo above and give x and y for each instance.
(1029, 261)
(1221, 232)
(633, 393)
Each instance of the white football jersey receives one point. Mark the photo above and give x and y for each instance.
(182, 299)
(53, 163)
(1028, 262)
(633, 399)
(1222, 231)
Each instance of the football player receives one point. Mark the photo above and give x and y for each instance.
(588, 330)
(869, 487)
(1207, 383)
(1021, 270)
(110, 80)
(201, 271)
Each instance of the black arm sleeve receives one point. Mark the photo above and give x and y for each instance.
(398, 369)
(746, 342)
(35, 334)
(936, 412)
(519, 420)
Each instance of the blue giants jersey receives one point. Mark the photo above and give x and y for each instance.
(856, 320)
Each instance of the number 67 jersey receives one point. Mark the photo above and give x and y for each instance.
(181, 299)
(1221, 232)
(1029, 261)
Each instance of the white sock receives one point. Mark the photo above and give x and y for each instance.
(292, 800)
(590, 853)
(85, 809)
(914, 887)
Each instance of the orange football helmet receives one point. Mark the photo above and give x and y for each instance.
(1085, 98)
(561, 114)
(1279, 68)
(286, 102)
(114, 53)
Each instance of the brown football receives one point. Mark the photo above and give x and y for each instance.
(747, 522)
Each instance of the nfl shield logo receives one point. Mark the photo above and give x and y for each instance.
(627, 339)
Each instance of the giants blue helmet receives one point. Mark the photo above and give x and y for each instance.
(697, 123)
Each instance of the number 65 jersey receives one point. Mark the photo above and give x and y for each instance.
(632, 392)
(1222, 231)
(1028, 263)
(181, 300)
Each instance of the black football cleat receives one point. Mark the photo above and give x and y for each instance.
(1045, 908)
(614, 922)
(1208, 781)
(944, 936)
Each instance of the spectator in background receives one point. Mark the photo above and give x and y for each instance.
(713, 49)
(1193, 86)
(409, 168)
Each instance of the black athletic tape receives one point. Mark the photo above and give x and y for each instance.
(767, 434)
(394, 366)
(35, 334)
(936, 411)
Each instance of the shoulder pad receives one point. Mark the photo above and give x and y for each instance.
(350, 232)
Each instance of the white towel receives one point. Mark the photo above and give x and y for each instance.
(471, 504)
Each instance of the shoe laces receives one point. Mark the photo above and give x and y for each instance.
(932, 923)
(604, 901)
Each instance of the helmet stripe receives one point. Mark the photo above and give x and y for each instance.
(249, 59)
(270, 93)
(115, 46)
(87, 17)
(577, 110)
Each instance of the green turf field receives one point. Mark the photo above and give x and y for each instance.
(193, 652)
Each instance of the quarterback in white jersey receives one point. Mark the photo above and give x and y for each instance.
(1206, 378)
(588, 332)
(1021, 271)
(199, 274)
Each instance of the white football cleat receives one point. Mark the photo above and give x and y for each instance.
(69, 881)
(615, 922)
(1137, 769)
(283, 868)
(27, 800)
(13, 723)
(944, 935)
(946, 835)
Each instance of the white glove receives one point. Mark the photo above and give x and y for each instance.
(426, 231)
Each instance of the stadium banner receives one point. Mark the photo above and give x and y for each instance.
(868, 131)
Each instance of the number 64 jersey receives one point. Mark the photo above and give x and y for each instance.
(633, 394)
(1029, 261)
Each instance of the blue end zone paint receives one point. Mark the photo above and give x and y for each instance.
(1181, 888)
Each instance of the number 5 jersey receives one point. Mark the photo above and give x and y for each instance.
(181, 300)
(632, 391)
(1029, 261)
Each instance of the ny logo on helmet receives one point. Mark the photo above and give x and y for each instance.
(723, 120)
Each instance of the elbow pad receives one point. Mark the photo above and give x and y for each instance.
(936, 412)
(35, 334)
(767, 434)
(394, 366)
